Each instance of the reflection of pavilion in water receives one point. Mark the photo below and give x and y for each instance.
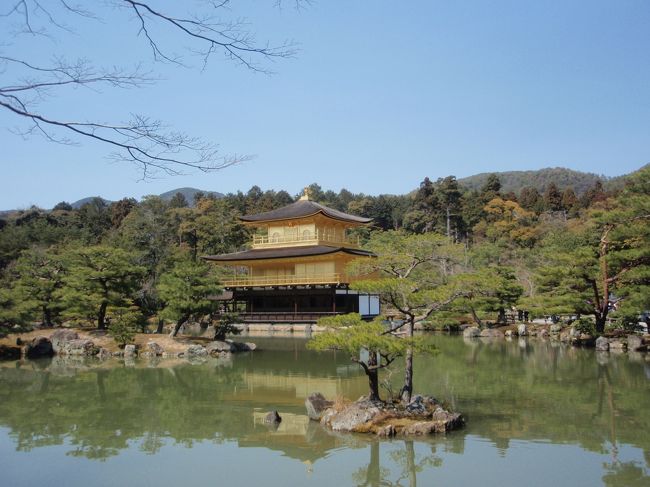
(296, 436)
(294, 389)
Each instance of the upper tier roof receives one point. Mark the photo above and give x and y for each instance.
(300, 209)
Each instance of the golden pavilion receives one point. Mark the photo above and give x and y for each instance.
(295, 271)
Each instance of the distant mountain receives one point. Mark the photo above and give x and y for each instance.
(189, 194)
(168, 195)
(540, 179)
(79, 203)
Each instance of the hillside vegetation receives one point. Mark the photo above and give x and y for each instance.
(540, 179)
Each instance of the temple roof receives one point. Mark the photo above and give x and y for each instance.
(287, 252)
(303, 208)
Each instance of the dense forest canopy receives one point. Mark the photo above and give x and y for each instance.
(556, 251)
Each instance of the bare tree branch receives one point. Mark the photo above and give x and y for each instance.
(143, 141)
(213, 34)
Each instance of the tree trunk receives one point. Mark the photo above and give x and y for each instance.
(219, 333)
(603, 304)
(373, 472)
(475, 317)
(407, 389)
(101, 316)
(373, 376)
(161, 323)
(47, 316)
(601, 321)
(411, 468)
(178, 325)
(502, 316)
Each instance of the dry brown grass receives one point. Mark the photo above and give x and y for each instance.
(340, 403)
(384, 419)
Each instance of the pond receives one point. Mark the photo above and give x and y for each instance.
(538, 413)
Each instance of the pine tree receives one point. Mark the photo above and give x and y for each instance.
(425, 211)
(350, 334)
(607, 256)
(187, 290)
(97, 278)
(416, 277)
(450, 201)
(39, 276)
(492, 188)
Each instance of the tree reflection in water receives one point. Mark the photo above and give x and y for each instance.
(405, 466)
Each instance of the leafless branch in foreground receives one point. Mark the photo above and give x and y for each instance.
(143, 141)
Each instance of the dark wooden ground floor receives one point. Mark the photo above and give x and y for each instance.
(298, 305)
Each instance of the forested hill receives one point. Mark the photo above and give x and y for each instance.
(79, 203)
(516, 180)
(189, 194)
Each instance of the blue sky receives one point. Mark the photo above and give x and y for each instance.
(380, 95)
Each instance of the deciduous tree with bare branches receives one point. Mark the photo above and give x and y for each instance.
(26, 83)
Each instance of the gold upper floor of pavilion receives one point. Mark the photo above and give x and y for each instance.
(318, 236)
(303, 223)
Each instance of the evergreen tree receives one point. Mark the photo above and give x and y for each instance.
(178, 201)
(450, 200)
(39, 275)
(569, 200)
(488, 291)
(552, 198)
(188, 290)
(530, 199)
(62, 206)
(97, 278)
(416, 278)
(315, 193)
(350, 334)
(425, 211)
(211, 227)
(607, 256)
(282, 198)
(472, 210)
(492, 188)
(593, 195)
(253, 200)
(95, 218)
(345, 197)
(124, 324)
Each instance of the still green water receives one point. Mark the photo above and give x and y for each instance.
(538, 413)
